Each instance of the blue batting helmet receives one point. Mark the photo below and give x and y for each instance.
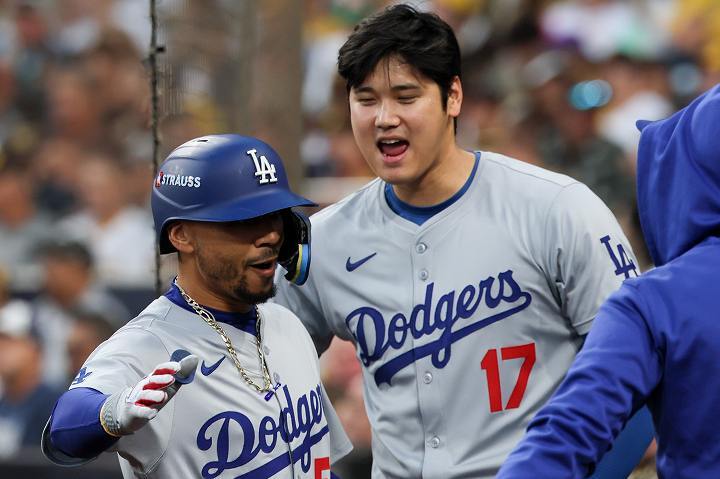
(221, 178)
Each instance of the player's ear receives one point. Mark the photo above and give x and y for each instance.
(455, 97)
(180, 236)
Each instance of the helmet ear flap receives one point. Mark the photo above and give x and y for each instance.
(294, 254)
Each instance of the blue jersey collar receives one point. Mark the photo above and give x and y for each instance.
(420, 214)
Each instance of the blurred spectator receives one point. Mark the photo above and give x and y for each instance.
(26, 400)
(69, 289)
(9, 115)
(88, 330)
(351, 411)
(74, 108)
(325, 27)
(119, 235)
(568, 142)
(55, 168)
(346, 156)
(472, 20)
(696, 30)
(124, 14)
(635, 94)
(123, 92)
(329, 148)
(78, 24)
(4, 287)
(69, 282)
(339, 366)
(31, 57)
(603, 28)
(22, 228)
(322, 42)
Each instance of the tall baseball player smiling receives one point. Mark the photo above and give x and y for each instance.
(256, 408)
(466, 280)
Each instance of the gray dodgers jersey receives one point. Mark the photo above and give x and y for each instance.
(466, 324)
(218, 426)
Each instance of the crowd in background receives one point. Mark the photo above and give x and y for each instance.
(555, 83)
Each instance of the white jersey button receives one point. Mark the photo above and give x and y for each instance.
(424, 275)
(266, 350)
(427, 377)
(276, 377)
(434, 442)
(421, 248)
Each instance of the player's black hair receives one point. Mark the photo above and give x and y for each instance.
(422, 40)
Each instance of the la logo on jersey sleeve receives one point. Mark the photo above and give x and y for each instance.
(82, 375)
(623, 263)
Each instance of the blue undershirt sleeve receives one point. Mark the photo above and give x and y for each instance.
(75, 427)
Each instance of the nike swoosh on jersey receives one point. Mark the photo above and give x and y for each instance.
(352, 266)
(208, 370)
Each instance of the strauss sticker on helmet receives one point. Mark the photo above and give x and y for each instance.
(263, 167)
(187, 181)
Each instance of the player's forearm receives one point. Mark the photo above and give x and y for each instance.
(75, 427)
(86, 422)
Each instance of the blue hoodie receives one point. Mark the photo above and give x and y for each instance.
(657, 339)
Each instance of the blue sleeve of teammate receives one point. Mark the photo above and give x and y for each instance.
(611, 378)
(628, 448)
(75, 424)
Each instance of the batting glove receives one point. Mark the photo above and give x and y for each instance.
(128, 410)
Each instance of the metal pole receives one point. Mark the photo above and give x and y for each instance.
(154, 51)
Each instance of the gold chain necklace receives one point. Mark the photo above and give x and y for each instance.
(208, 317)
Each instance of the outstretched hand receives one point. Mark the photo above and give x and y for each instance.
(130, 409)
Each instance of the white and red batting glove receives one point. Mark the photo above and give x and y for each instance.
(128, 410)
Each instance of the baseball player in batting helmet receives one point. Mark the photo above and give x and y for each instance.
(223, 204)
(222, 178)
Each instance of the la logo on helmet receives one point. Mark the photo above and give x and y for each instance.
(263, 168)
